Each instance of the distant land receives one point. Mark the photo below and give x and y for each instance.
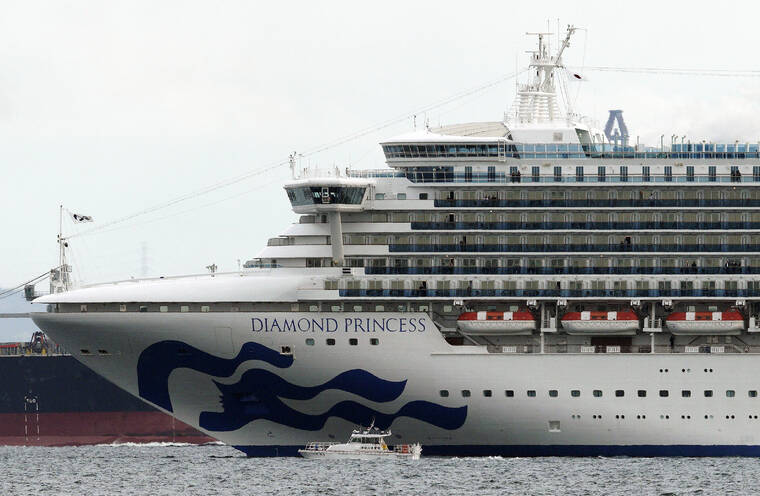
(17, 329)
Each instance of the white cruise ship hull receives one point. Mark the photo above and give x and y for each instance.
(224, 374)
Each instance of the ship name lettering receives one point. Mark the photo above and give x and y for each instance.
(330, 324)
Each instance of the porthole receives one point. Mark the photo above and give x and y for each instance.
(531, 393)
(353, 341)
(466, 393)
(752, 393)
(685, 393)
(374, 341)
(730, 393)
(553, 393)
(310, 341)
(575, 393)
(509, 393)
(444, 393)
(330, 342)
(597, 393)
(641, 393)
(487, 393)
(619, 393)
(708, 393)
(664, 393)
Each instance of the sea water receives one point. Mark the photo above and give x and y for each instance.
(166, 469)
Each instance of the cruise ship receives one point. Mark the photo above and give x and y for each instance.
(531, 286)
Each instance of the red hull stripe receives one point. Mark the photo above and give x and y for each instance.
(80, 428)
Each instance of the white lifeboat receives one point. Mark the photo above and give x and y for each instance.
(497, 323)
(601, 322)
(730, 322)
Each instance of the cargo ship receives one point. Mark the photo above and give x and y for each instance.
(48, 398)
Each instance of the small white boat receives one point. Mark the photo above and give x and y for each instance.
(364, 444)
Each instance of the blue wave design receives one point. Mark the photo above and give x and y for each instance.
(257, 394)
(160, 359)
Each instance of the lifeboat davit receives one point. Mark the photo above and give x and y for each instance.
(730, 322)
(496, 323)
(625, 322)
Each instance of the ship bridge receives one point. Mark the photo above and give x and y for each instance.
(329, 196)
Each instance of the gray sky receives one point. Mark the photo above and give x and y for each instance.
(110, 108)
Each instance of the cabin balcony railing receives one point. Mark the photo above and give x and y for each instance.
(613, 226)
(555, 293)
(565, 248)
(617, 203)
(515, 270)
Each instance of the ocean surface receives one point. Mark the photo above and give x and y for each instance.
(166, 469)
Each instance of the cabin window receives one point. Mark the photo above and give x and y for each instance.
(330, 342)
(401, 196)
(374, 341)
(310, 341)
(686, 393)
(379, 196)
(531, 393)
(487, 393)
(444, 393)
(597, 393)
(708, 393)
(509, 393)
(353, 341)
(423, 196)
(553, 393)
(619, 393)
(664, 393)
(730, 393)
(575, 393)
(752, 393)
(466, 393)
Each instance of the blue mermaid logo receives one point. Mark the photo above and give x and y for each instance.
(259, 393)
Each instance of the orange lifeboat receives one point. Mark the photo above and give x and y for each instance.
(601, 322)
(730, 322)
(497, 323)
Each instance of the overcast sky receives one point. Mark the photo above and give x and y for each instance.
(110, 108)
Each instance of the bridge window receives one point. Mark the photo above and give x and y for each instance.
(312, 195)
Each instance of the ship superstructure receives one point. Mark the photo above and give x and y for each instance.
(515, 287)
